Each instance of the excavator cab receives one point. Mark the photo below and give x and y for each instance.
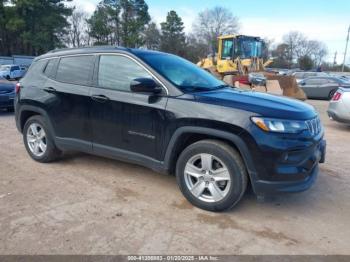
(240, 54)
(243, 47)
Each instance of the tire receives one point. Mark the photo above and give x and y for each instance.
(331, 94)
(221, 156)
(8, 78)
(51, 152)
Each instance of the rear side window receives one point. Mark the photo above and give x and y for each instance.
(75, 70)
(15, 68)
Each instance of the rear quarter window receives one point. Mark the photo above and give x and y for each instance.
(36, 68)
(75, 70)
(49, 70)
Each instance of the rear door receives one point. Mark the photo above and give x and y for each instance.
(68, 89)
(124, 121)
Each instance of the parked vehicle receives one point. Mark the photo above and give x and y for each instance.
(163, 112)
(300, 76)
(322, 87)
(7, 94)
(339, 106)
(12, 71)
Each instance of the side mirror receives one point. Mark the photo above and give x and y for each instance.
(145, 85)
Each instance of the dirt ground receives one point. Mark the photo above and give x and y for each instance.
(90, 205)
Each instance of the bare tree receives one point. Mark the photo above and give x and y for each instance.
(298, 47)
(317, 51)
(296, 43)
(211, 23)
(78, 31)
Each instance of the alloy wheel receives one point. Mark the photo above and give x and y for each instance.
(207, 177)
(36, 139)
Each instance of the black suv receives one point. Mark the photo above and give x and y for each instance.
(163, 112)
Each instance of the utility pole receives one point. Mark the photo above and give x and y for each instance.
(335, 58)
(346, 49)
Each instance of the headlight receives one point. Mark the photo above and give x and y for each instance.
(279, 125)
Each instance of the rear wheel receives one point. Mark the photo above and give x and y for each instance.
(39, 141)
(211, 175)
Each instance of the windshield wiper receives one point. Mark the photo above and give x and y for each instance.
(223, 86)
(202, 88)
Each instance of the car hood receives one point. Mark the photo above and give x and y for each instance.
(260, 103)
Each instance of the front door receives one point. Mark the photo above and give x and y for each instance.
(124, 122)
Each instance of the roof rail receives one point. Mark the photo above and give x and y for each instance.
(85, 47)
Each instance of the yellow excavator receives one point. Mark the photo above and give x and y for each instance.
(241, 60)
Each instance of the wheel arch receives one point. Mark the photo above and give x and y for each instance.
(27, 111)
(184, 136)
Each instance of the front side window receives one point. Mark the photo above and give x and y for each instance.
(117, 72)
(227, 48)
(75, 70)
(185, 75)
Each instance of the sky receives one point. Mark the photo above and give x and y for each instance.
(322, 20)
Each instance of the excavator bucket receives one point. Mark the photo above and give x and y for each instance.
(289, 86)
(275, 84)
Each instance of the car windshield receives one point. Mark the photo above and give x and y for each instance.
(4, 68)
(185, 75)
(249, 47)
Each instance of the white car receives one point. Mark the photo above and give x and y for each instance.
(339, 106)
(12, 71)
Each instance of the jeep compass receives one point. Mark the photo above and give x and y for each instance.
(163, 112)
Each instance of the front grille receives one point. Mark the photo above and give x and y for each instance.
(314, 126)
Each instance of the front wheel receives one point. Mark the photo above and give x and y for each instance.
(211, 175)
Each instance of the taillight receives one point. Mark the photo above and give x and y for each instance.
(336, 96)
(18, 88)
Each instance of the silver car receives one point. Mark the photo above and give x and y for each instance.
(300, 76)
(322, 87)
(339, 106)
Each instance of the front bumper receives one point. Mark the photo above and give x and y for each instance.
(265, 187)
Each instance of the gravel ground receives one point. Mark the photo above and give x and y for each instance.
(89, 205)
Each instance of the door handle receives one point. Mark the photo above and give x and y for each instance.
(50, 89)
(100, 98)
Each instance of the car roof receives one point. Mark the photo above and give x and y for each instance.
(323, 77)
(95, 49)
